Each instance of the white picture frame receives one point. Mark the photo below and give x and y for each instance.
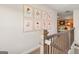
(37, 13)
(37, 25)
(44, 15)
(48, 22)
(28, 11)
(28, 25)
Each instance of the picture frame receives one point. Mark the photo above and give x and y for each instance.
(37, 13)
(37, 24)
(44, 15)
(28, 11)
(28, 25)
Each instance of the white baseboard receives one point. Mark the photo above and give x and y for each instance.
(29, 51)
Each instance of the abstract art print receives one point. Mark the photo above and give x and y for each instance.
(28, 25)
(44, 15)
(48, 22)
(28, 11)
(37, 13)
(45, 24)
(37, 25)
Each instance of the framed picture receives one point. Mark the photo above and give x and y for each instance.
(37, 25)
(37, 13)
(44, 15)
(28, 11)
(28, 25)
(48, 22)
(45, 24)
(48, 17)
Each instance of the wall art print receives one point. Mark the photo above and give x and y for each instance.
(37, 13)
(44, 15)
(48, 22)
(38, 25)
(28, 11)
(28, 25)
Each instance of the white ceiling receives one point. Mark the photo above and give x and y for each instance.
(63, 7)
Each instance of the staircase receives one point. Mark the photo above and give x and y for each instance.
(59, 43)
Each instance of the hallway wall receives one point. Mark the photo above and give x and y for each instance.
(12, 37)
(76, 24)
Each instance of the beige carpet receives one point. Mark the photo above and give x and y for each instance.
(37, 51)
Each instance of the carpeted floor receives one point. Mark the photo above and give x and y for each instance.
(37, 51)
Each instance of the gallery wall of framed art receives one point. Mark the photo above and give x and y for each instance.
(35, 19)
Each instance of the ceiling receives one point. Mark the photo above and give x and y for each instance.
(63, 7)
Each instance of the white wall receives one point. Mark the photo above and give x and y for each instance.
(53, 13)
(12, 37)
(76, 25)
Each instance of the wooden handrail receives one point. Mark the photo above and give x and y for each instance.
(58, 34)
(47, 37)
